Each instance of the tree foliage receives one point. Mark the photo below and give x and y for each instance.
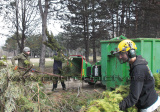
(21, 17)
(94, 20)
(19, 95)
(53, 44)
(157, 81)
(34, 42)
(85, 22)
(110, 101)
(10, 44)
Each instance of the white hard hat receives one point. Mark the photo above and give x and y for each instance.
(26, 49)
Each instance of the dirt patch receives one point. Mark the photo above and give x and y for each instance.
(73, 87)
(49, 69)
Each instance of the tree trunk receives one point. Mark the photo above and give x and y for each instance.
(122, 19)
(23, 4)
(128, 22)
(44, 26)
(94, 49)
(86, 40)
(43, 49)
(93, 34)
(17, 25)
(117, 24)
(113, 24)
(86, 36)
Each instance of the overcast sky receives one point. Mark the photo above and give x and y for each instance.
(54, 27)
(2, 31)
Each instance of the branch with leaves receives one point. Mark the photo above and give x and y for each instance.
(52, 42)
(54, 45)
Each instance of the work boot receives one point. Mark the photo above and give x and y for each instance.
(54, 89)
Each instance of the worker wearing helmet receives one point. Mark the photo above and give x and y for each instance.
(142, 91)
(23, 58)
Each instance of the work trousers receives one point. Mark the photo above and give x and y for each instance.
(55, 80)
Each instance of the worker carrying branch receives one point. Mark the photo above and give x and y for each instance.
(57, 69)
(142, 86)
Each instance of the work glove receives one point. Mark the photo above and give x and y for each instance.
(121, 106)
(16, 67)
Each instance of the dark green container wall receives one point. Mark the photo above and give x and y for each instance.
(149, 49)
(114, 73)
(156, 57)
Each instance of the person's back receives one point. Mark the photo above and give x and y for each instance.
(57, 65)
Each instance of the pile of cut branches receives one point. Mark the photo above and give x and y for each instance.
(22, 94)
(109, 102)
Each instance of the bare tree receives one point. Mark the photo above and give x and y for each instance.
(21, 18)
(44, 13)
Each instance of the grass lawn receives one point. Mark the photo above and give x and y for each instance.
(49, 63)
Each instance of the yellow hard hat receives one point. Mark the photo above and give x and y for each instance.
(126, 45)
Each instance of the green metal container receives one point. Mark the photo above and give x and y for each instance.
(115, 74)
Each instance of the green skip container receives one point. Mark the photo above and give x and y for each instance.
(113, 73)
